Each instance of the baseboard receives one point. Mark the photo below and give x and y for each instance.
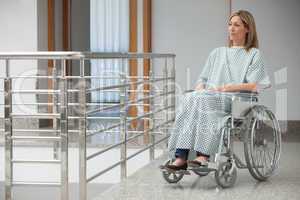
(290, 130)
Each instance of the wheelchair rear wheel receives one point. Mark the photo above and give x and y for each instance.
(262, 142)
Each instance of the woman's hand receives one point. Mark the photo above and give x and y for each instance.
(218, 89)
(199, 87)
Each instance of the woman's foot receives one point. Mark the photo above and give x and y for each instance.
(200, 161)
(178, 164)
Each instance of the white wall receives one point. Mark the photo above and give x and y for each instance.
(279, 32)
(192, 28)
(18, 20)
(18, 24)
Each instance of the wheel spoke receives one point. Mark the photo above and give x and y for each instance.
(256, 164)
(257, 158)
(261, 161)
(222, 175)
(168, 174)
(265, 162)
(271, 162)
(227, 178)
(272, 154)
(174, 176)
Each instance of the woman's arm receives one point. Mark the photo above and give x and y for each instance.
(238, 87)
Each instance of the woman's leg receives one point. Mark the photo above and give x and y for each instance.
(181, 156)
(180, 161)
(211, 113)
(183, 131)
(202, 157)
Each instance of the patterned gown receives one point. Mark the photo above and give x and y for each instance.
(201, 114)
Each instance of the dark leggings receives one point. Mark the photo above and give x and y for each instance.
(184, 153)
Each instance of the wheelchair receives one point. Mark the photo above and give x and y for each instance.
(257, 128)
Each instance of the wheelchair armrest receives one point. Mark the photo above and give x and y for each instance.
(188, 91)
(246, 95)
(240, 94)
(247, 92)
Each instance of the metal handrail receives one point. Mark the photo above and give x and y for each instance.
(46, 55)
(61, 115)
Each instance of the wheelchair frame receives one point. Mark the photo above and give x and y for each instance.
(243, 123)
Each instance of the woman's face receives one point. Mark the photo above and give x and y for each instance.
(237, 31)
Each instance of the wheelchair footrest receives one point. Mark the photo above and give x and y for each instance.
(202, 169)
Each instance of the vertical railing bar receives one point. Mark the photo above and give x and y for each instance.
(151, 124)
(82, 134)
(123, 131)
(8, 132)
(64, 132)
(54, 109)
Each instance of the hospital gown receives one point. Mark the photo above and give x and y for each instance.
(201, 114)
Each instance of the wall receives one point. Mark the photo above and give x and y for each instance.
(80, 30)
(191, 29)
(279, 32)
(80, 25)
(18, 22)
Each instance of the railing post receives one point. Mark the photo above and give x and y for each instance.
(123, 126)
(64, 132)
(151, 117)
(8, 133)
(54, 109)
(82, 133)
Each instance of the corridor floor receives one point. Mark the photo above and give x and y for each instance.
(148, 184)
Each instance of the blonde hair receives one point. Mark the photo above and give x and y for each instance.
(248, 21)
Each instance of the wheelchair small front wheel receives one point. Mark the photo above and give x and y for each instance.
(171, 177)
(226, 175)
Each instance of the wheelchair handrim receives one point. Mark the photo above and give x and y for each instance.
(262, 164)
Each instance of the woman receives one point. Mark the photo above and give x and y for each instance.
(202, 113)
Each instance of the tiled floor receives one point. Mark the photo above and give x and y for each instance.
(51, 173)
(148, 184)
